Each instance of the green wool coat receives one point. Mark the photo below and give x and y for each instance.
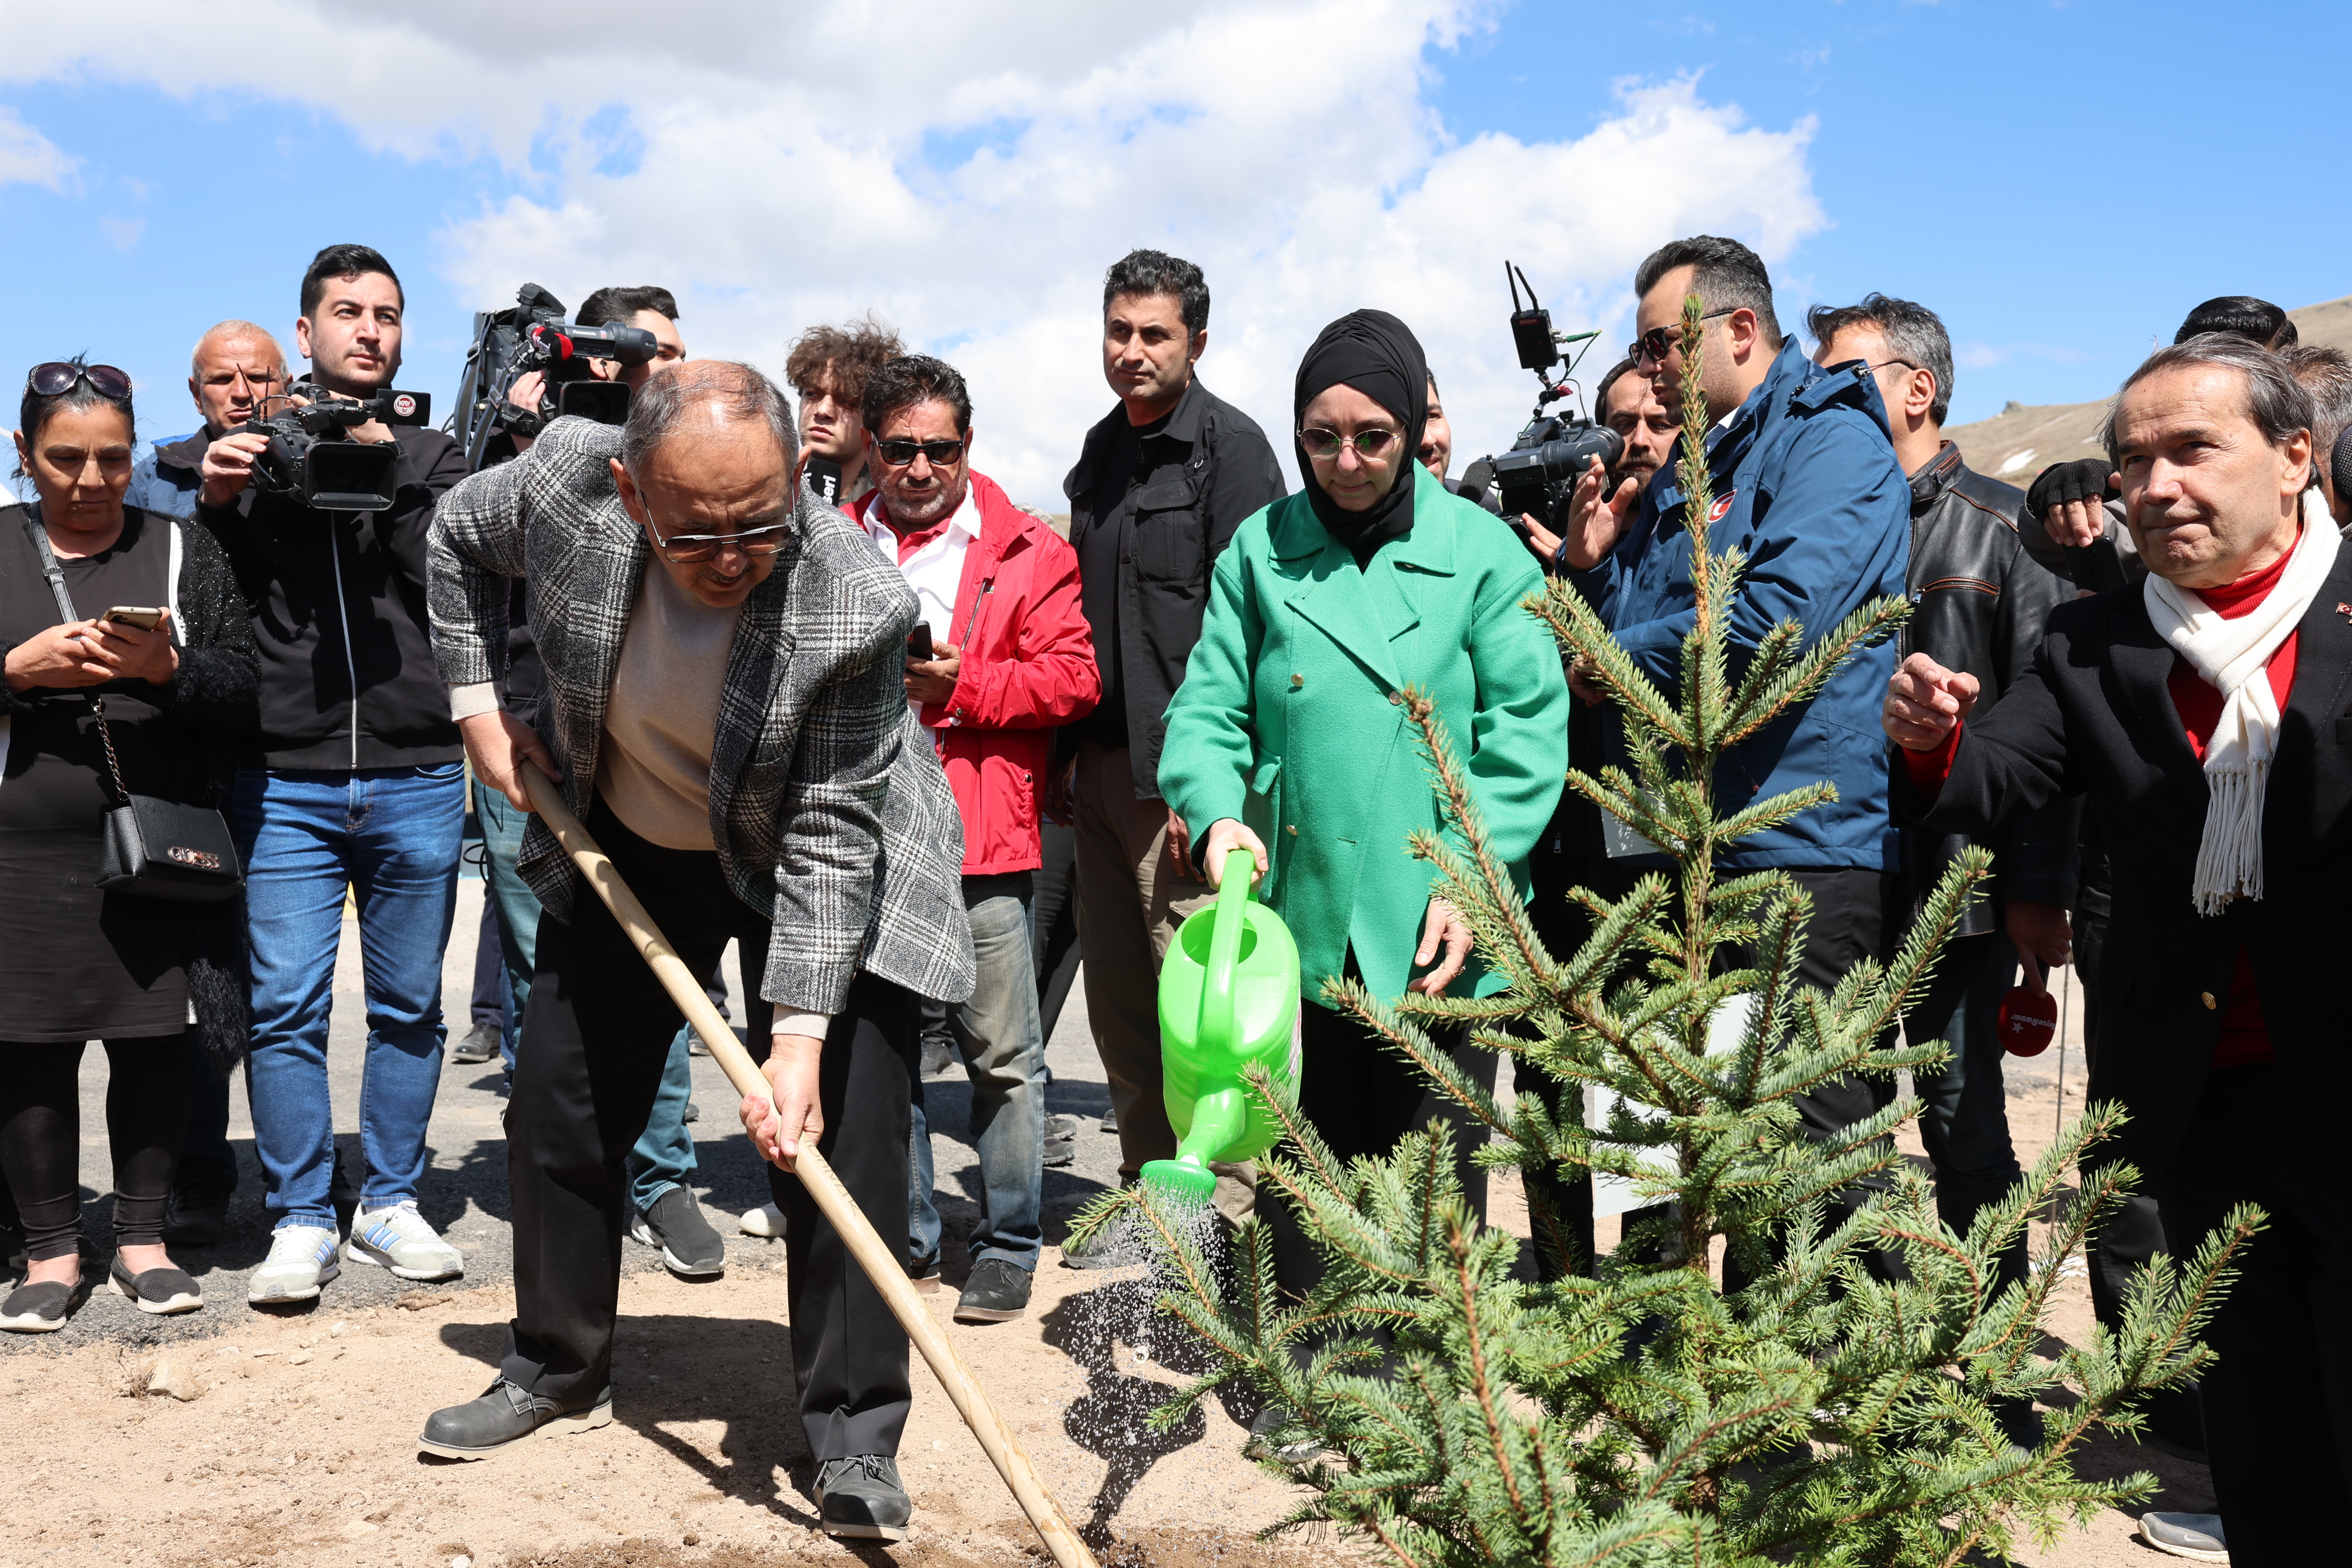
(1290, 718)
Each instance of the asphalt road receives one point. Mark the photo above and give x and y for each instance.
(465, 1192)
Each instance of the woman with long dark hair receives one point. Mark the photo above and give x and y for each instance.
(129, 665)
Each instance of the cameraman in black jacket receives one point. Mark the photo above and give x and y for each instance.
(1980, 604)
(355, 780)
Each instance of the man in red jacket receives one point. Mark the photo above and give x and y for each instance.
(1011, 658)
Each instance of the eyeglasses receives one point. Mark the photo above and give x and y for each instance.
(900, 453)
(1651, 346)
(57, 376)
(688, 549)
(1371, 443)
(1905, 363)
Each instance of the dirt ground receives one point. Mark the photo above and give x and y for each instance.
(300, 1450)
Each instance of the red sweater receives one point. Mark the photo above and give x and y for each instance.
(2245, 1038)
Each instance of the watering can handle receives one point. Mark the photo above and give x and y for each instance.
(1226, 948)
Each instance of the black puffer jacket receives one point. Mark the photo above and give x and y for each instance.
(1979, 602)
(212, 703)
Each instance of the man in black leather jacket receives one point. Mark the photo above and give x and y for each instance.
(1979, 602)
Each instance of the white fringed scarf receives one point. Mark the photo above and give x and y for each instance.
(2232, 656)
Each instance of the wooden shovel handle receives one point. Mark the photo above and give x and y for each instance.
(880, 1260)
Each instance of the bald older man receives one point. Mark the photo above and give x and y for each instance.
(234, 366)
(724, 707)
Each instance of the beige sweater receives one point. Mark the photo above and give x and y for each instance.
(663, 717)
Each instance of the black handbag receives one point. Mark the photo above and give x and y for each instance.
(150, 847)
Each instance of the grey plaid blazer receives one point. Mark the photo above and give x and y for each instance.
(829, 806)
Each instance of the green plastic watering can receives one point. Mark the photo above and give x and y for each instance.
(1228, 999)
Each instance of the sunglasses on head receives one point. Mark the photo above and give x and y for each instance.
(900, 453)
(1652, 346)
(57, 376)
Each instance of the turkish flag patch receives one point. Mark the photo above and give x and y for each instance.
(1722, 504)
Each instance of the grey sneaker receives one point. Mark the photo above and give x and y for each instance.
(860, 1499)
(301, 1258)
(480, 1045)
(1261, 1444)
(506, 1414)
(401, 1239)
(2196, 1536)
(997, 1292)
(1061, 1140)
(690, 1249)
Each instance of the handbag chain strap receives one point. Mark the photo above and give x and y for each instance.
(57, 576)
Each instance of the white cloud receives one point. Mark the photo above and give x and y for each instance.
(784, 177)
(27, 157)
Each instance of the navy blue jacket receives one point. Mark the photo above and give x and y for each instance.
(1806, 486)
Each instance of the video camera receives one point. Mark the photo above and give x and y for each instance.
(312, 453)
(1539, 472)
(533, 335)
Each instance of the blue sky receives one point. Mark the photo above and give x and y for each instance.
(2057, 181)
(2061, 182)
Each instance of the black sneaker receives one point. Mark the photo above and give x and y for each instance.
(693, 1112)
(860, 1499)
(197, 1210)
(689, 1247)
(480, 1045)
(42, 1308)
(159, 1292)
(997, 1292)
(1109, 1123)
(507, 1414)
(1061, 1140)
(939, 1055)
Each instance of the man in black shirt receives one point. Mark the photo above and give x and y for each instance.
(354, 781)
(1164, 480)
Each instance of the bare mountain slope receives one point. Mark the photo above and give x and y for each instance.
(2019, 442)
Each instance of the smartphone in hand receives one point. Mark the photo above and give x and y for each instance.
(919, 643)
(145, 617)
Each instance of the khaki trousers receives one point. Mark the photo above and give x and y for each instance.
(1129, 903)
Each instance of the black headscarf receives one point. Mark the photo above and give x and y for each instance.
(1378, 356)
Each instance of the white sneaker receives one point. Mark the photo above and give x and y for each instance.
(301, 1258)
(767, 1220)
(398, 1238)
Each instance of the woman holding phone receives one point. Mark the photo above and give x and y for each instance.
(130, 666)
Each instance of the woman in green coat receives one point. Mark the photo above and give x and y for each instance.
(1288, 737)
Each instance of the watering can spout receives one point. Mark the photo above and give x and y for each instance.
(1228, 996)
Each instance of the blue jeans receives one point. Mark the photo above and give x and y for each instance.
(391, 836)
(517, 907)
(664, 1157)
(1004, 1048)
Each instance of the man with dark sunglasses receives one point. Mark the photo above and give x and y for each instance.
(1011, 659)
(1806, 486)
(354, 780)
(724, 709)
(1164, 480)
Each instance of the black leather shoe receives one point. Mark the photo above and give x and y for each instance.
(506, 1415)
(480, 1045)
(860, 1499)
(997, 1292)
(157, 1291)
(196, 1210)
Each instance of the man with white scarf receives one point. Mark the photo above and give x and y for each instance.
(2205, 715)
